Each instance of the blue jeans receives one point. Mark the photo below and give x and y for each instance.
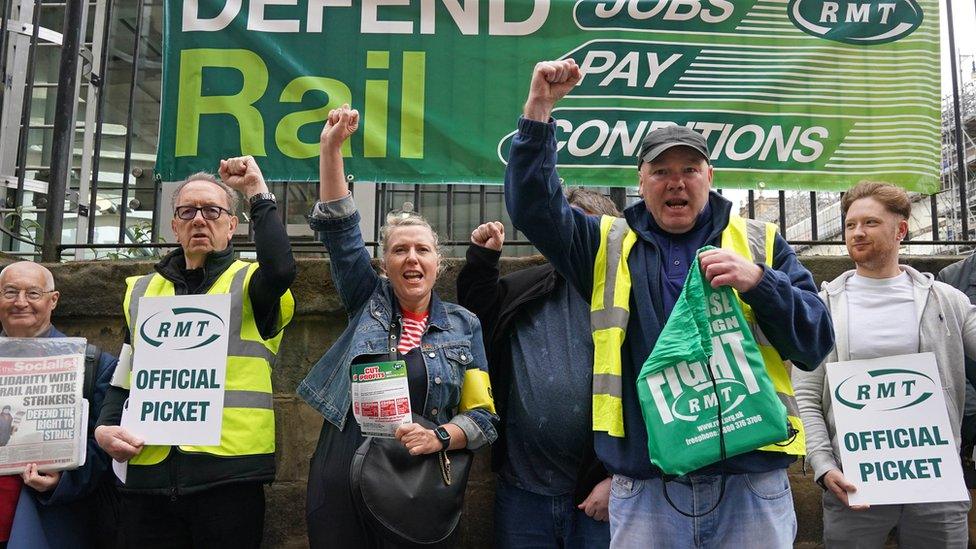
(526, 520)
(756, 510)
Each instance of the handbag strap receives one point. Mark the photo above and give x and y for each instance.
(395, 326)
(394, 340)
(445, 466)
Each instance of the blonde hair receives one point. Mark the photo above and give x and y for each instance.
(399, 219)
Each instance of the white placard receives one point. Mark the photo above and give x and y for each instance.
(179, 365)
(896, 442)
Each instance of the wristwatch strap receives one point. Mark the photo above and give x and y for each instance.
(261, 196)
(443, 436)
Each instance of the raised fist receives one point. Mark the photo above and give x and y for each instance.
(489, 235)
(551, 81)
(340, 124)
(242, 174)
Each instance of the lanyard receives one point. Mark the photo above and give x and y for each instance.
(394, 340)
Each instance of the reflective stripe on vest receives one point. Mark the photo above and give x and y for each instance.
(609, 312)
(753, 240)
(248, 416)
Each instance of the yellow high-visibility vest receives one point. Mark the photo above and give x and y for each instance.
(610, 312)
(248, 426)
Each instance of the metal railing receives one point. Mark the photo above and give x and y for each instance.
(103, 70)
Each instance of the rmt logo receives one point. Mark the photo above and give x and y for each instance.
(857, 22)
(885, 389)
(181, 328)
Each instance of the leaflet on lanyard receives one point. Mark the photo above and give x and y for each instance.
(380, 397)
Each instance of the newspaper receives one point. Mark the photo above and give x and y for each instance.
(43, 417)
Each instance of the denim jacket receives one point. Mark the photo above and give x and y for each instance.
(451, 344)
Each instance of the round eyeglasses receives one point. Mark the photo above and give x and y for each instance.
(210, 213)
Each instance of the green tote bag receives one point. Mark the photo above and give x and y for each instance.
(705, 371)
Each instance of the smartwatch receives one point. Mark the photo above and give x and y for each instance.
(261, 196)
(444, 437)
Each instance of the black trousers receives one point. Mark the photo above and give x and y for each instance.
(230, 516)
(331, 516)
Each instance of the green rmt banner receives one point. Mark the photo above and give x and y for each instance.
(804, 94)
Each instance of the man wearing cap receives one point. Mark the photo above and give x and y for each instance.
(633, 270)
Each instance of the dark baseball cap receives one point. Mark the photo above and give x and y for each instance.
(662, 139)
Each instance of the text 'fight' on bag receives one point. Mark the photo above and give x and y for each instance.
(706, 370)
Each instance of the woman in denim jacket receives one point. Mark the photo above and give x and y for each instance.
(440, 342)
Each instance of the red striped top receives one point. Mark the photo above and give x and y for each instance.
(414, 325)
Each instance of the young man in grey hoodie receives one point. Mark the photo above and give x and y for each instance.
(885, 309)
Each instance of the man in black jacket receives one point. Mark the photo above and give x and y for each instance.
(551, 490)
(178, 496)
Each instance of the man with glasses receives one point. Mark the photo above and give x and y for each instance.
(180, 496)
(74, 508)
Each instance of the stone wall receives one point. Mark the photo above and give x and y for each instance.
(90, 306)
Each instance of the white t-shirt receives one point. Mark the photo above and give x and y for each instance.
(881, 316)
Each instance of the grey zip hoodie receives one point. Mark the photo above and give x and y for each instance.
(947, 328)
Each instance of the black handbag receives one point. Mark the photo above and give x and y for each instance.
(409, 500)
